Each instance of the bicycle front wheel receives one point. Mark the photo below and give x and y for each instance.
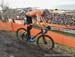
(21, 34)
(45, 42)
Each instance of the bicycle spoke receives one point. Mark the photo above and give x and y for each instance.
(45, 42)
(21, 34)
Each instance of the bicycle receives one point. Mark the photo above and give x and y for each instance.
(43, 41)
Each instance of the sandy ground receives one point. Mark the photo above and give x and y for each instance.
(9, 47)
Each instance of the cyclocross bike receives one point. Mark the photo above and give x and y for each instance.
(42, 40)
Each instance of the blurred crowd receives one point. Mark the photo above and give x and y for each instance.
(63, 19)
(56, 18)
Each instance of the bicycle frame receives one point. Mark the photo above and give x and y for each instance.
(40, 33)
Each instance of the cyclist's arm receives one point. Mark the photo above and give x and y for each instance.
(43, 24)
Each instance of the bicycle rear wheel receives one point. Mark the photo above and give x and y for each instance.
(45, 42)
(21, 34)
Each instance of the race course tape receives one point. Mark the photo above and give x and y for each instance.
(58, 38)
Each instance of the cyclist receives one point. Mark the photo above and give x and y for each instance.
(39, 16)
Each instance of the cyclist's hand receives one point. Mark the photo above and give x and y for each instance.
(48, 27)
(45, 30)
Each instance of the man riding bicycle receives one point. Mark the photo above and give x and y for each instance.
(30, 14)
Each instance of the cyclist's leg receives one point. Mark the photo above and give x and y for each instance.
(29, 27)
(28, 31)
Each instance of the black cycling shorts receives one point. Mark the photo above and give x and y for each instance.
(28, 19)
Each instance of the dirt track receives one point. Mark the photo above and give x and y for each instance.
(9, 47)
